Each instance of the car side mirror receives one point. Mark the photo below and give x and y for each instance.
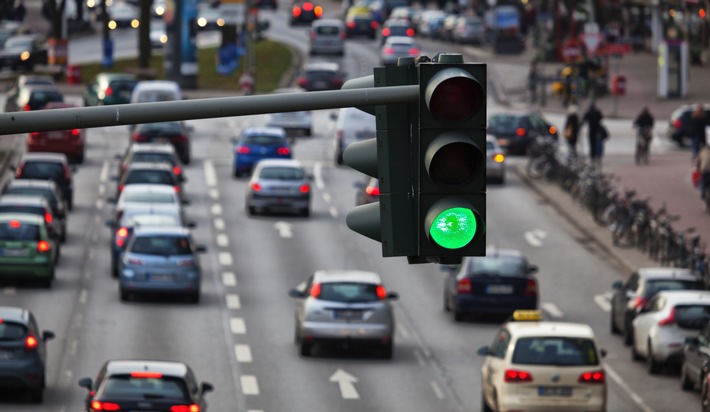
(603, 353)
(295, 293)
(393, 296)
(483, 351)
(206, 387)
(691, 341)
(618, 285)
(201, 249)
(47, 335)
(333, 116)
(532, 269)
(85, 383)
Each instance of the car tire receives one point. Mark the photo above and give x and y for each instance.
(186, 158)
(37, 395)
(387, 350)
(339, 158)
(447, 308)
(311, 52)
(653, 366)
(114, 269)
(458, 315)
(307, 132)
(80, 158)
(613, 328)
(685, 383)
(304, 349)
(628, 333)
(251, 210)
(484, 405)
(47, 282)
(501, 180)
(306, 212)
(235, 174)
(194, 297)
(122, 295)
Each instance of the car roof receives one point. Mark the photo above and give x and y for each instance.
(44, 156)
(400, 39)
(152, 209)
(280, 162)
(58, 105)
(14, 314)
(688, 296)
(162, 230)
(29, 36)
(327, 22)
(272, 131)
(152, 147)
(149, 166)
(44, 184)
(397, 22)
(116, 76)
(521, 329)
(158, 84)
(125, 367)
(665, 272)
(26, 78)
(13, 199)
(329, 66)
(148, 188)
(359, 276)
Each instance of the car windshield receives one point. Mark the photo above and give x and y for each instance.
(348, 292)
(320, 74)
(152, 157)
(509, 266)
(151, 220)
(159, 177)
(655, 286)
(161, 245)
(147, 197)
(558, 351)
(41, 97)
(18, 43)
(118, 86)
(505, 123)
(264, 140)
(328, 30)
(691, 316)
(15, 230)
(11, 331)
(42, 170)
(281, 173)
(122, 387)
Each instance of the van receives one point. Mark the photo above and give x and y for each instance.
(327, 36)
(150, 91)
(352, 125)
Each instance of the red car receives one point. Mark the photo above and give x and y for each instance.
(70, 142)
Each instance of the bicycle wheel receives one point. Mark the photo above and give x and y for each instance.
(537, 167)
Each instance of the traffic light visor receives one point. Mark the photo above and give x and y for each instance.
(452, 159)
(453, 223)
(453, 95)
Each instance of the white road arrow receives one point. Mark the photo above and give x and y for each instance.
(535, 237)
(284, 229)
(346, 382)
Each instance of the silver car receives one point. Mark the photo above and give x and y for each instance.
(279, 185)
(352, 125)
(495, 161)
(161, 260)
(300, 122)
(396, 47)
(327, 36)
(346, 307)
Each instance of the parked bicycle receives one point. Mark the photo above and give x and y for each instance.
(644, 135)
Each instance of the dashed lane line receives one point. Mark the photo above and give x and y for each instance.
(333, 211)
(229, 279)
(216, 209)
(318, 175)
(210, 174)
(250, 386)
(103, 177)
(83, 296)
(9, 290)
(437, 390)
(242, 353)
(603, 301)
(326, 197)
(233, 301)
(552, 310)
(225, 258)
(634, 396)
(222, 240)
(219, 223)
(214, 194)
(237, 326)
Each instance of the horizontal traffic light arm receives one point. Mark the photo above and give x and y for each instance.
(127, 114)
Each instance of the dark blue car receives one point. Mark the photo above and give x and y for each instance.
(498, 283)
(259, 143)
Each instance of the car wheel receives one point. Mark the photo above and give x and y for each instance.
(70, 204)
(311, 52)
(484, 404)
(628, 333)
(685, 383)
(251, 211)
(447, 308)
(307, 132)
(63, 237)
(37, 395)
(458, 315)
(501, 180)
(47, 283)
(635, 356)
(194, 297)
(339, 158)
(80, 158)
(613, 329)
(306, 212)
(235, 174)
(114, 269)
(652, 364)
(122, 295)
(305, 349)
(296, 338)
(387, 350)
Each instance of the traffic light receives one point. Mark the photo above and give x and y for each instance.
(452, 160)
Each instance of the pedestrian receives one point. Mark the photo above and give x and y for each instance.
(698, 123)
(702, 164)
(20, 11)
(572, 131)
(532, 81)
(597, 133)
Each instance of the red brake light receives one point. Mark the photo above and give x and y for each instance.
(30, 342)
(243, 150)
(305, 188)
(517, 376)
(181, 138)
(315, 290)
(48, 217)
(307, 6)
(592, 377)
(75, 132)
(296, 11)
(381, 292)
(255, 187)
(375, 25)
(34, 134)
(283, 151)
(43, 246)
(410, 32)
(109, 91)
(520, 131)
(121, 235)
(26, 108)
(146, 375)
(351, 24)
(640, 303)
(302, 82)
(120, 188)
(413, 51)
(388, 50)
(14, 224)
(105, 406)
(677, 123)
(386, 31)
(372, 191)
(553, 130)
(177, 171)
(670, 320)
(177, 188)
(185, 408)
(531, 288)
(137, 137)
(464, 286)
(342, 35)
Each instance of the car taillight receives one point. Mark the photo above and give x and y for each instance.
(670, 320)
(463, 286)
(26, 108)
(18, 172)
(498, 158)
(43, 246)
(15, 224)
(177, 171)
(351, 24)
(120, 188)
(315, 290)
(410, 32)
(75, 132)
(307, 6)
(67, 173)
(553, 130)
(109, 91)
(104, 406)
(305, 188)
(374, 25)
(312, 35)
(640, 303)
(146, 375)
(296, 11)
(121, 235)
(520, 131)
(372, 191)
(186, 262)
(30, 342)
(177, 188)
(677, 123)
(302, 81)
(381, 291)
(137, 137)
(255, 187)
(134, 261)
(336, 83)
(342, 35)
(243, 150)
(413, 51)
(592, 377)
(185, 408)
(34, 135)
(318, 11)
(386, 31)
(180, 138)
(283, 151)
(48, 217)
(517, 376)
(531, 288)
(388, 50)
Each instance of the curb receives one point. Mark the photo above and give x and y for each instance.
(289, 76)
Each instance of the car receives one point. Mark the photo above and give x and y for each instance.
(402, 13)
(292, 122)
(38, 206)
(70, 142)
(396, 47)
(146, 214)
(23, 52)
(368, 191)
(679, 129)
(394, 28)
(495, 161)
(145, 194)
(158, 33)
(279, 185)
(360, 22)
(498, 283)
(149, 173)
(109, 88)
(516, 131)
(430, 22)
(122, 384)
(151, 153)
(660, 330)
(161, 260)
(321, 76)
(21, 82)
(327, 36)
(41, 188)
(25, 365)
(9, 28)
(48, 166)
(175, 133)
(258, 143)
(123, 14)
(556, 366)
(345, 307)
(469, 30)
(151, 91)
(696, 359)
(303, 12)
(352, 125)
(632, 296)
(27, 251)
(445, 31)
(209, 17)
(158, 9)
(33, 97)
(266, 4)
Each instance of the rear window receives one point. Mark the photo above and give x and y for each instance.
(348, 292)
(691, 316)
(159, 177)
(23, 231)
(161, 245)
(151, 157)
(40, 98)
(320, 74)
(11, 331)
(118, 86)
(496, 266)
(126, 387)
(149, 96)
(281, 173)
(328, 30)
(560, 351)
(655, 286)
(32, 210)
(505, 123)
(264, 140)
(137, 197)
(167, 128)
(42, 170)
(31, 191)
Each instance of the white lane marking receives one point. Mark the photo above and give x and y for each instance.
(214, 194)
(222, 240)
(552, 310)
(229, 279)
(103, 177)
(210, 174)
(437, 390)
(216, 209)
(242, 353)
(333, 211)
(74, 347)
(346, 383)
(255, 410)
(94, 236)
(219, 223)
(284, 229)
(420, 357)
(603, 301)
(102, 190)
(620, 381)
(326, 197)
(9, 290)
(318, 175)
(249, 385)
(99, 204)
(92, 255)
(535, 237)
(237, 326)
(83, 296)
(225, 258)
(68, 374)
(403, 331)
(233, 301)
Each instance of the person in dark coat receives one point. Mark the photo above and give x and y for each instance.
(698, 123)
(20, 11)
(593, 117)
(571, 130)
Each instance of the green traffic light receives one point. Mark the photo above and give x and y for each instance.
(454, 227)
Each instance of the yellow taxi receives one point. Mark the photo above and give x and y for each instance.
(537, 365)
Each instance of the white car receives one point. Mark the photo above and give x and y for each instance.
(142, 194)
(660, 330)
(353, 125)
(123, 15)
(149, 91)
(158, 34)
(495, 161)
(555, 366)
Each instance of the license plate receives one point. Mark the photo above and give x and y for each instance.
(161, 277)
(499, 289)
(15, 252)
(161, 140)
(348, 314)
(319, 85)
(55, 135)
(554, 391)
(126, 94)
(503, 142)
(6, 354)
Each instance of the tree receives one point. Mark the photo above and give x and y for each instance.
(144, 49)
(53, 11)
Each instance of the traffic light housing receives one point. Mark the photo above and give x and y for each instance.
(451, 184)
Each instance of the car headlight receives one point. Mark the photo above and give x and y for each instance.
(129, 273)
(202, 22)
(24, 55)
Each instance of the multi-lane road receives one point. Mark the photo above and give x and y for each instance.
(240, 336)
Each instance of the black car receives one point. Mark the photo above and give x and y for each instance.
(151, 153)
(516, 131)
(175, 133)
(24, 361)
(321, 76)
(22, 81)
(266, 4)
(148, 173)
(679, 123)
(23, 52)
(305, 12)
(132, 385)
(33, 97)
(392, 28)
(48, 166)
(361, 25)
(632, 296)
(696, 359)
(46, 189)
(498, 283)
